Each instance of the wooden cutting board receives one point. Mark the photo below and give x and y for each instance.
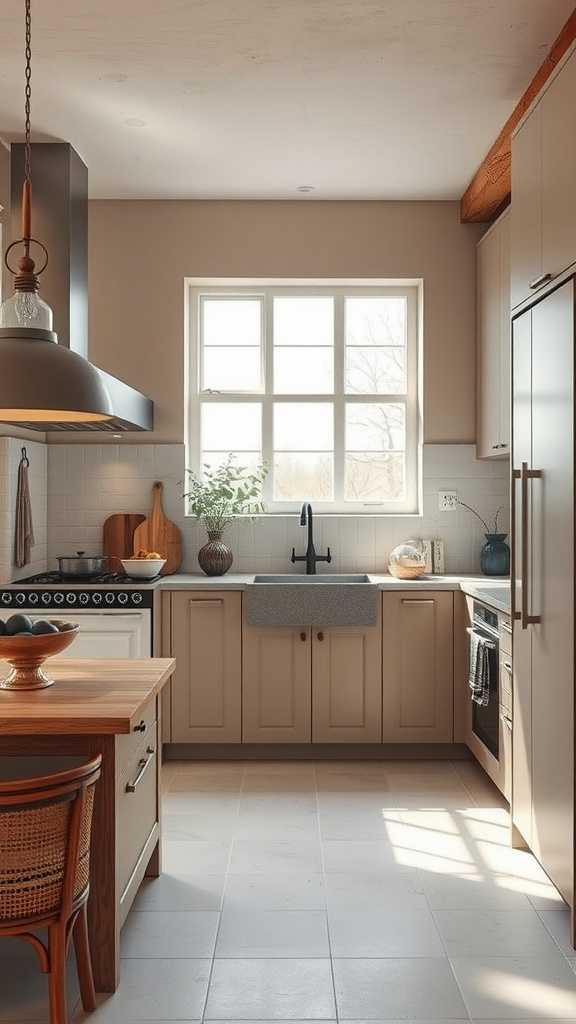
(157, 533)
(118, 537)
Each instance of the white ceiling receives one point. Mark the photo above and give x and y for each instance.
(363, 99)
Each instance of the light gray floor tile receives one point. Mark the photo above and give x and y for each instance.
(384, 933)
(250, 857)
(557, 923)
(512, 988)
(361, 856)
(273, 933)
(271, 989)
(276, 891)
(374, 890)
(167, 935)
(493, 933)
(162, 990)
(23, 988)
(200, 825)
(408, 989)
(181, 892)
(182, 857)
(474, 891)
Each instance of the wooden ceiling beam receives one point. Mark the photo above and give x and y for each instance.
(489, 190)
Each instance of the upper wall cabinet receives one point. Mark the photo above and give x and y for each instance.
(493, 290)
(543, 200)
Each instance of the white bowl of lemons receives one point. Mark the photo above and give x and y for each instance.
(144, 565)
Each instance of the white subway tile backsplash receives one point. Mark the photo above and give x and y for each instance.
(86, 483)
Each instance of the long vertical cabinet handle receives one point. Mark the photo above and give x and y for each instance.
(516, 475)
(528, 619)
(524, 519)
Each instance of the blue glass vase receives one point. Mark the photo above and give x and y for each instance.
(495, 555)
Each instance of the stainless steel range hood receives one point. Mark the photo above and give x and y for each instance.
(38, 374)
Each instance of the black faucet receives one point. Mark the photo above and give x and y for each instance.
(310, 557)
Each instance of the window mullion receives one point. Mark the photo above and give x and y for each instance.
(339, 403)
(267, 406)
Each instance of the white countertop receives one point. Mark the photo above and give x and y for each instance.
(495, 593)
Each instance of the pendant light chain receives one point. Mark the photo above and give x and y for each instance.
(28, 93)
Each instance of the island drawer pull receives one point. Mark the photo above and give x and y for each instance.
(142, 766)
(417, 600)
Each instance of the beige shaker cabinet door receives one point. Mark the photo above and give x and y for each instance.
(489, 328)
(276, 685)
(347, 684)
(526, 210)
(505, 336)
(417, 667)
(559, 172)
(206, 640)
(522, 638)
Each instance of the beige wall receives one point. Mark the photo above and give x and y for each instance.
(141, 251)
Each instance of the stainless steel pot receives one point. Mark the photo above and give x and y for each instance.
(82, 565)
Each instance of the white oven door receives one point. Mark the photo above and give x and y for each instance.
(106, 634)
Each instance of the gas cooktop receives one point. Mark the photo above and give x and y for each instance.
(113, 579)
(110, 591)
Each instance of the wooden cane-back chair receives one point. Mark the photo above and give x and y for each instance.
(45, 826)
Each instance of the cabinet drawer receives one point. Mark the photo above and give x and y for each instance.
(137, 807)
(505, 630)
(143, 731)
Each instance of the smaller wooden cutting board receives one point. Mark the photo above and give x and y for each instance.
(118, 537)
(157, 533)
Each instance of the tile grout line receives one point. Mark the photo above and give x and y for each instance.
(325, 889)
(222, 899)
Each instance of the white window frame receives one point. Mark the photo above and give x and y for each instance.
(196, 289)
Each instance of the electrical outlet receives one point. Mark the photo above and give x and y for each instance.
(447, 501)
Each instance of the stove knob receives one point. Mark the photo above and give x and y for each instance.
(58, 598)
(33, 598)
(20, 598)
(71, 598)
(97, 598)
(136, 598)
(84, 598)
(109, 598)
(46, 598)
(122, 598)
(6, 597)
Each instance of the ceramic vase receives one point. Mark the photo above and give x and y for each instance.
(215, 558)
(495, 555)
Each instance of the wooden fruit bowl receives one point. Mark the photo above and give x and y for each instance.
(27, 654)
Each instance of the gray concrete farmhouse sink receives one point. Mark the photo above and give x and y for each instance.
(301, 601)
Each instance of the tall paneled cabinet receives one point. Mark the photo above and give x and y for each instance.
(493, 340)
(543, 271)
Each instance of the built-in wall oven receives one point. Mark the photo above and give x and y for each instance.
(486, 717)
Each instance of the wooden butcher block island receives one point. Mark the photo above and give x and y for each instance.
(110, 708)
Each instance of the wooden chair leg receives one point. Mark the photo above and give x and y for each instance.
(84, 961)
(57, 975)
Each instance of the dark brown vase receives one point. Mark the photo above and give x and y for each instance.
(215, 558)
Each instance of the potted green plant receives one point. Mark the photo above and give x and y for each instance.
(215, 498)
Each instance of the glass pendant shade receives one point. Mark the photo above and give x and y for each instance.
(26, 309)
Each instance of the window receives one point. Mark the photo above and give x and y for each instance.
(319, 382)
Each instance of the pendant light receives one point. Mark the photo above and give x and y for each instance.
(40, 381)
